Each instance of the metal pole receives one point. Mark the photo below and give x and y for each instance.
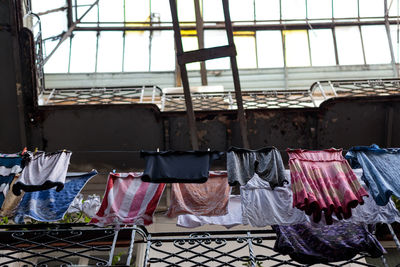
(235, 74)
(200, 40)
(396, 240)
(251, 252)
(128, 260)
(389, 36)
(184, 77)
(110, 258)
(146, 253)
(69, 32)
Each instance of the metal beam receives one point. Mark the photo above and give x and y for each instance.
(200, 39)
(242, 27)
(69, 32)
(184, 77)
(389, 36)
(235, 74)
(206, 54)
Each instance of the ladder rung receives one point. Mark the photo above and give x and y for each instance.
(206, 54)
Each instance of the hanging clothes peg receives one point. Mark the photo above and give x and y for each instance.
(35, 151)
(24, 151)
(158, 149)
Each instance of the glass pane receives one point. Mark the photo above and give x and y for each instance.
(246, 51)
(296, 48)
(109, 58)
(293, 9)
(241, 10)
(345, 8)
(267, 10)
(395, 35)
(376, 44)
(186, 10)
(137, 10)
(162, 51)
(318, 9)
(190, 43)
(42, 6)
(111, 10)
(58, 63)
(213, 38)
(161, 8)
(371, 8)
(394, 8)
(53, 24)
(322, 47)
(136, 51)
(83, 52)
(349, 45)
(269, 49)
(91, 16)
(213, 11)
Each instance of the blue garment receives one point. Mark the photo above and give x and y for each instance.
(50, 205)
(381, 170)
(10, 164)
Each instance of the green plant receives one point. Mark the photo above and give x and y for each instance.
(248, 264)
(396, 202)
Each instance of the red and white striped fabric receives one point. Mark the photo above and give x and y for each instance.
(128, 200)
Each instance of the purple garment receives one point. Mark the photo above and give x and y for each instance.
(309, 244)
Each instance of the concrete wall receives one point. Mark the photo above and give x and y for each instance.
(10, 80)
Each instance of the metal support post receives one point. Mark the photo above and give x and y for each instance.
(235, 74)
(184, 77)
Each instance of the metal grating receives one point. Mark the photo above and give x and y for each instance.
(241, 248)
(68, 245)
(223, 100)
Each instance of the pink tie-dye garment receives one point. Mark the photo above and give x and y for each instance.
(323, 181)
(208, 199)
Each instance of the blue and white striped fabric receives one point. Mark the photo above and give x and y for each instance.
(10, 164)
(50, 205)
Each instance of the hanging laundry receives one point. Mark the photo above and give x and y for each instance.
(91, 205)
(308, 244)
(178, 166)
(241, 166)
(231, 219)
(322, 181)
(43, 171)
(128, 200)
(262, 205)
(10, 165)
(208, 199)
(11, 201)
(50, 205)
(370, 212)
(381, 169)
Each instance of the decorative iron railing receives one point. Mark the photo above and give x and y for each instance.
(79, 244)
(224, 100)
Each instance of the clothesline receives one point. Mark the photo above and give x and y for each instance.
(319, 182)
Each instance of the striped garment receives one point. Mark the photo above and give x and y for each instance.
(128, 200)
(10, 165)
(323, 181)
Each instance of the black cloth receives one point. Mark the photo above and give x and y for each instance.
(178, 166)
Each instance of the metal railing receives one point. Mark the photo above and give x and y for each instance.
(79, 244)
(224, 100)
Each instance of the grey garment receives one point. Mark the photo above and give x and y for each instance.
(242, 164)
